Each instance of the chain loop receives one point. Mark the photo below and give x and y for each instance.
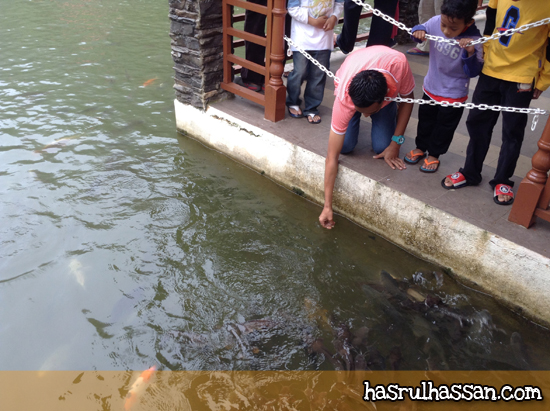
(535, 121)
(310, 58)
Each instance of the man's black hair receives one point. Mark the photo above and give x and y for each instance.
(459, 9)
(368, 87)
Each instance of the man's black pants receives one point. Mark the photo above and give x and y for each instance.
(380, 30)
(255, 23)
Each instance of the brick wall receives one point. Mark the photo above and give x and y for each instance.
(197, 51)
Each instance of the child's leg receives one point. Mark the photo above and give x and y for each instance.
(383, 127)
(480, 126)
(513, 130)
(427, 121)
(316, 79)
(295, 79)
(427, 116)
(447, 120)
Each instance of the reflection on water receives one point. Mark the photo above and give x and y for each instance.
(124, 245)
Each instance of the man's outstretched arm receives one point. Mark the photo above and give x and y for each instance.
(335, 143)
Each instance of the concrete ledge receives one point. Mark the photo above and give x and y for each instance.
(516, 276)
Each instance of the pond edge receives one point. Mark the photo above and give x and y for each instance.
(516, 276)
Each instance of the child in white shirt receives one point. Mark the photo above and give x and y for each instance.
(313, 23)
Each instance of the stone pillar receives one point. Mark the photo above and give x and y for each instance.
(408, 15)
(197, 50)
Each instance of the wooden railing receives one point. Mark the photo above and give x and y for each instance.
(275, 92)
(533, 196)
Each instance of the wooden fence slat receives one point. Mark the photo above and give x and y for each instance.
(247, 64)
(253, 96)
(262, 41)
(248, 6)
(227, 16)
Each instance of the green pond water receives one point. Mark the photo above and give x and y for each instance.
(125, 245)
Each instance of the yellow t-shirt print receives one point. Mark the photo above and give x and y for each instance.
(320, 8)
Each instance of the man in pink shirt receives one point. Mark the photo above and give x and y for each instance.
(366, 77)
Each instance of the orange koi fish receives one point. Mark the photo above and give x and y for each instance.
(138, 387)
(149, 82)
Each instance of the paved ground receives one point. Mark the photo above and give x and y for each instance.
(472, 204)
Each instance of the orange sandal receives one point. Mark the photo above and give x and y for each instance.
(414, 158)
(429, 163)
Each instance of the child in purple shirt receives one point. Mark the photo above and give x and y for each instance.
(450, 68)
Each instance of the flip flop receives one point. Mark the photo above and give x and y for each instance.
(428, 163)
(412, 159)
(503, 189)
(415, 51)
(457, 179)
(310, 118)
(296, 108)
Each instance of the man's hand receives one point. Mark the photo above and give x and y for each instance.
(391, 156)
(420, 35)
(330, 23)
(325, 219)
(335, 143)
(536, 94)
